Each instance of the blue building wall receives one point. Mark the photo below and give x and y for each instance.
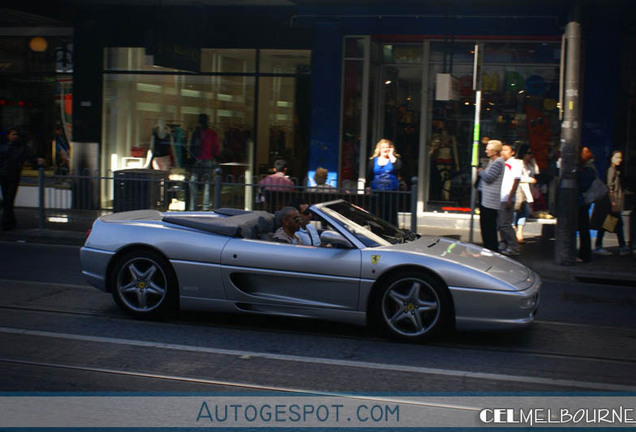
(326, 89)
(600, 63)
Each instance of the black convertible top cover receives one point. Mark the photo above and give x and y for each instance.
(247, 225)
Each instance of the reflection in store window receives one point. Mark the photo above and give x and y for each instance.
(228, 60)
(134, 104)
(519, 106)
(351, 122)
(284, 61)
(138, 105)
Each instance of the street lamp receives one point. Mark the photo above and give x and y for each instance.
(38, 44)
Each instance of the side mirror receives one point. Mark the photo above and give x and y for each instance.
(335, 239)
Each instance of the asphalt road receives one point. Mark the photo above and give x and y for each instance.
(59, 334)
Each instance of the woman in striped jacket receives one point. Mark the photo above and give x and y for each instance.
(490, 188)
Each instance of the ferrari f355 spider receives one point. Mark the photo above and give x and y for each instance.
(366, 271)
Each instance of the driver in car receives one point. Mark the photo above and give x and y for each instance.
(290, 223)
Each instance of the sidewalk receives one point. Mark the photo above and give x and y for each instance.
(537, 252)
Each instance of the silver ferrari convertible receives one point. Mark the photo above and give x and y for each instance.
(366, 271)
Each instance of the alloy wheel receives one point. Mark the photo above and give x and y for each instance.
(411, 307)
(142, 285)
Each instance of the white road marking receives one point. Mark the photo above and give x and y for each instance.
(333, 362)
(386, 399)
(15, 282)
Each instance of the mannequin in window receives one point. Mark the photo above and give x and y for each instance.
(444, 155)
(161, 146)
(62, 151)
(204, 149)
(178, 144)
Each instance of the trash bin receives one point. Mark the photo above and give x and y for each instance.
(137, 189)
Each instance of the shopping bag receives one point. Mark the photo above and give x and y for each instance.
(597, 190)
(610, 222)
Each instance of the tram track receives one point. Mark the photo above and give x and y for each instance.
(245, 386)
(450, 345)
(412, 370)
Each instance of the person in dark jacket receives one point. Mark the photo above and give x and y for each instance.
(585, 175)
(613, 204)
(13, 154)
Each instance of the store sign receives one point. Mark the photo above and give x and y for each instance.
(446, 87)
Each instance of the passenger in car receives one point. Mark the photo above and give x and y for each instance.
(308, 234)
(290, 223)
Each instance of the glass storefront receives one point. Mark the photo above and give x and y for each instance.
(425, 105)
(252, 105)
(360, 71)
(353, 70)
(36, 88)
(520, 92)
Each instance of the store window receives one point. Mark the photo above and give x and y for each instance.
(519, 106)
(228, 61)
(140, 97)
(357, 104)
(401, 87)
(131, 59)
(284, 61)
(36, 89)
(425, 101)
(136, 104)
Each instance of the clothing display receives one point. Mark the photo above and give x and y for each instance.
(178, 144)
(204, 149)
(444, 156)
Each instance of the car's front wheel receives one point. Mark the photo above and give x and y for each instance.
(413, 306)
(143, 284)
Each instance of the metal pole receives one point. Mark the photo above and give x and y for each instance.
(476, 132)
(41, 196)
(414, 204)
(217, 187)
(567, 204)
(475, 158)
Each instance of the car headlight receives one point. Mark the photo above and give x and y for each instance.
(529, 302)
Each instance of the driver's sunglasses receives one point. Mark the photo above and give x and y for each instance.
(306, 212)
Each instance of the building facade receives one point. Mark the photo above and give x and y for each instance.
(320, 85)
(36, 85)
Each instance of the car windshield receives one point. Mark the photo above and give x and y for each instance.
(369, 229)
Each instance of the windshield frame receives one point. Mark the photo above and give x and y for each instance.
(362, 234)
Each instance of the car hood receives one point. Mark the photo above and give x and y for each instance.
(470, 255)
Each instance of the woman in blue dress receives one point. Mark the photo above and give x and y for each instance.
(383, 177)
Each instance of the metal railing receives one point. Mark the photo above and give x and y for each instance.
(79, 197)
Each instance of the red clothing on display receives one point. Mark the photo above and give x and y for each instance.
(210, 147)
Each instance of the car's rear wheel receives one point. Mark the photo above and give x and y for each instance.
(144, 284)
(413, 306)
